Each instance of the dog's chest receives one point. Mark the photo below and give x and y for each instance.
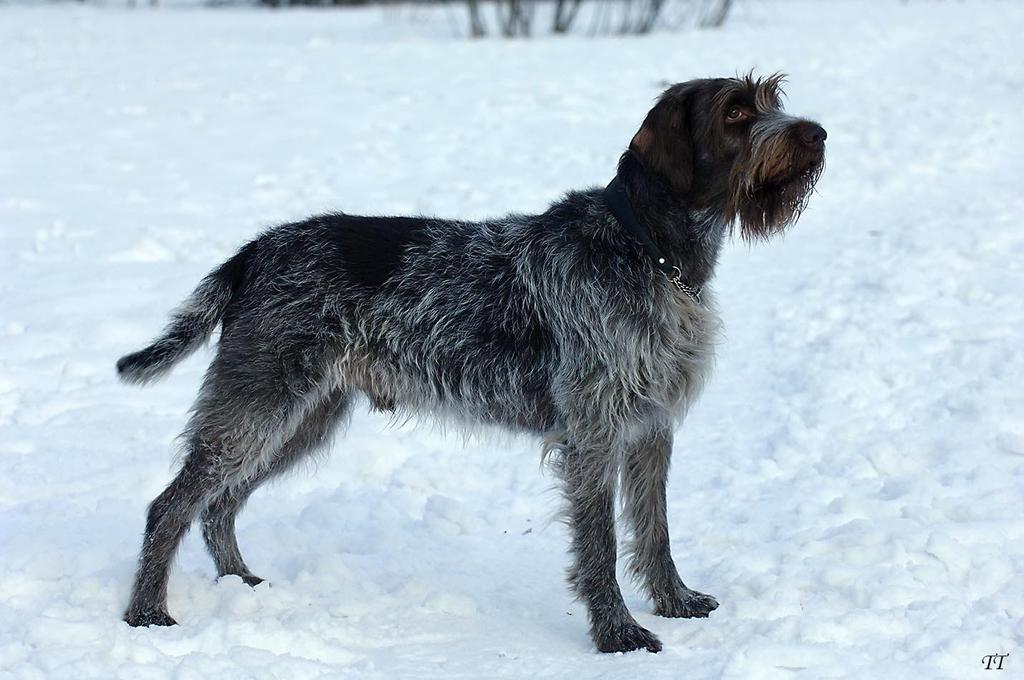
(683, 351)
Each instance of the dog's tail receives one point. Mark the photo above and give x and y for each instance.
(191, 324)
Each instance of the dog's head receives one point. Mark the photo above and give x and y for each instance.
(726, 144)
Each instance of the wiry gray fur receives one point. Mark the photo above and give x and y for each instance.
(554, 324)
(191, 325)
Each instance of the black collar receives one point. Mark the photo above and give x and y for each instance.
(618, 202)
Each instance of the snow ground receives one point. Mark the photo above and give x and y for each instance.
(850, 487)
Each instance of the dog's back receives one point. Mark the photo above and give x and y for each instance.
(418, 314)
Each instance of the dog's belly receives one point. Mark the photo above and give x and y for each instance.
(508, 393)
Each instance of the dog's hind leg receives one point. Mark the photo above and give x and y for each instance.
(644, 476)
(218, 519)
(251, 403)
(218, 522)
(590, 490)
(169, 517)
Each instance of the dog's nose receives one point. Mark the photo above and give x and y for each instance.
(812, 134)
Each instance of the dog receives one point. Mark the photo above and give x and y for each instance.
(589, 325)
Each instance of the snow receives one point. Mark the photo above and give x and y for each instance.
(850, 487)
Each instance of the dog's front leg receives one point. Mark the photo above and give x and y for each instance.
(589, 481)
(644, 478)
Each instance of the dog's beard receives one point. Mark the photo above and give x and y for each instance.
(774, 190)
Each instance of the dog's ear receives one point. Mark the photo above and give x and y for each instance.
(664, 143)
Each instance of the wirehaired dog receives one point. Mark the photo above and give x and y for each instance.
(589, 325)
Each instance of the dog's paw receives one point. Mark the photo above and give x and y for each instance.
(153, 617)
(687, 604)
(251, 580)
(626, 637)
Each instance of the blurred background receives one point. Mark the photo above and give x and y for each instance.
(508, 18)
(849, 486)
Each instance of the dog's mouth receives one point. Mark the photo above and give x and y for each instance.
(799, 175)
(769, 206)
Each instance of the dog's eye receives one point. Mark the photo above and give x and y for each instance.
(736, 114)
